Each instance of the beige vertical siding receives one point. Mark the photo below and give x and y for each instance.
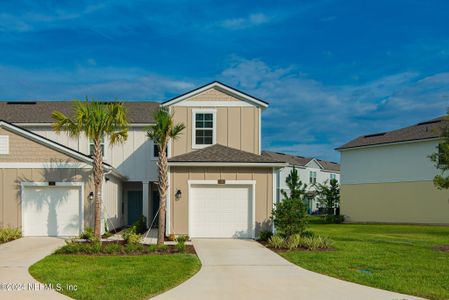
(237, 127)
(179, 180)
(399, 202)
(10, 190)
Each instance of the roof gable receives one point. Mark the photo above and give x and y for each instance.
(218, 86)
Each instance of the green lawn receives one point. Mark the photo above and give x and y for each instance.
(116, 277)
(399, 258)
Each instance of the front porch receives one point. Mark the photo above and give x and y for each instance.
(140, 199)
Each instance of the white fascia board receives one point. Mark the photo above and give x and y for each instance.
(224, 164)
(220, 86)
(50, 124)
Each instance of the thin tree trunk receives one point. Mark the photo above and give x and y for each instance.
(98, 183)
(163, 183)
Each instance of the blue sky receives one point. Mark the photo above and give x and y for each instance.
(331, 70)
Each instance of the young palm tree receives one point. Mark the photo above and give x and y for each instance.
(96, 120)
(161, 133)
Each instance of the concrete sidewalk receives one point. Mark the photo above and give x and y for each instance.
(244, 269)
(15, 259)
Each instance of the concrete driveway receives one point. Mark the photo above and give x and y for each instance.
(15, 259)
(243, 269)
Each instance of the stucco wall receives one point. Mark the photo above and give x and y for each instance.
(399, 202)
(237, 126)
(179, 180)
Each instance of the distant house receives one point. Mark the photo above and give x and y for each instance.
(312, 171)
(387, 177)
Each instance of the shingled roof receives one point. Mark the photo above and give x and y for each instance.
(221, 154)
(421, 131)
(40, 111)
(301, 160)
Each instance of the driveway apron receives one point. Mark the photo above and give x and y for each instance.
(15, 259)
(244, 269)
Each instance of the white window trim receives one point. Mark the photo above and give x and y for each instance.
(105, 147)
(5, 139)
(152, 151)
(214, 127)
(251, 183)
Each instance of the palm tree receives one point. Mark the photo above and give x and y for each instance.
(96, 120)
(161, 133)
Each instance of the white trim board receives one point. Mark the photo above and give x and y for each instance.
(219, 86)
(251, 183)
(225, 164)
(44, 165)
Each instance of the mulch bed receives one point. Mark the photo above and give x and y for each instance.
(283, 250)
(444, 248)
(170, 250)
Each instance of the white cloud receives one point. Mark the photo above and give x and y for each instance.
(307, 115)
(250, 21)
(95, 82)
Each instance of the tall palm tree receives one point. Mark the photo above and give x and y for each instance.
(161, 133)
(96, 120)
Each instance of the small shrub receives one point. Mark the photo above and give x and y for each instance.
(334, 219)
(276, 241)
(182, 238)
(307, 233)
(289, 217)
(87, 234)
(152, 248)
(140, 226)
(132, 248)
(131, 236)
(69, 248)
(181, 243)
(112, 248)
(265, 235)
(293, 241)
(316, 242)
(9, 234)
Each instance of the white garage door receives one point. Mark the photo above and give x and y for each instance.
(221, 211)
(51, 210)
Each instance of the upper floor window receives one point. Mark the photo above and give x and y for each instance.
(4, 144)
(156, 150)
(92, 147)
(312, 177)
(203, 128)
(333, 176)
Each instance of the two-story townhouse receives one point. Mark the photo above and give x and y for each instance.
(219, 184)
(387, 177)
(312, 171)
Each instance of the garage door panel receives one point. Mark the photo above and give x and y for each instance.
(51, 210)
(221, 211)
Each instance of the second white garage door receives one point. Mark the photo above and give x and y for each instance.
(51, 210)
(221, 211)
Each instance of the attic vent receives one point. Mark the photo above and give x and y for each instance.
(20, 102)
(374, 134)
(428, 122)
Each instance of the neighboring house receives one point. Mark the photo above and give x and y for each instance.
(312, 171)
(220, 185)
(387, 177)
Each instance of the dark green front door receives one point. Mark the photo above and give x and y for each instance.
(134, 206)
(155, 198)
